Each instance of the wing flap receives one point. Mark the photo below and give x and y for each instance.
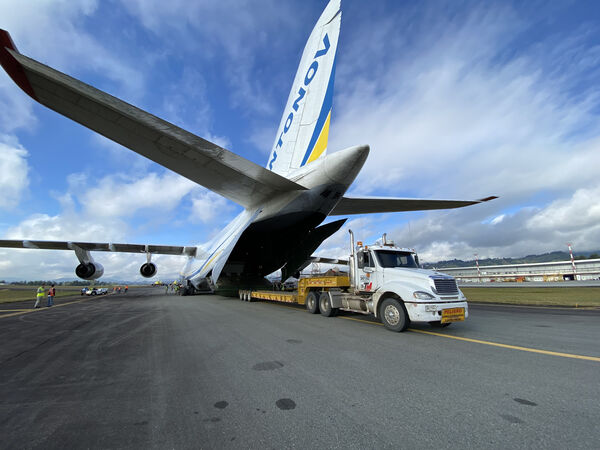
(197, 159)
(370, 205)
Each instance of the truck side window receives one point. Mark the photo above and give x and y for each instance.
(360, 261)
(369, 260)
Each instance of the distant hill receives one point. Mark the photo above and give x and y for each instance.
(546, 257)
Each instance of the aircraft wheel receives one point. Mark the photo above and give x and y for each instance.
(393, 315)
(312, 304)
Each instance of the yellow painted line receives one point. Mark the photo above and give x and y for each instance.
(42, 308)
(16, 309)
(494, 344)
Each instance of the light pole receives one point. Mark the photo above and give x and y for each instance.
(477, 264)
(572, 261)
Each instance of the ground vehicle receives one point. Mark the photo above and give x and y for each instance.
(383, 280)
(95, 291)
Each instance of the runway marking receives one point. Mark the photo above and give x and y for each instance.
(42, 308)
(494, 344)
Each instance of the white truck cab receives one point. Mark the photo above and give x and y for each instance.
(387, 281)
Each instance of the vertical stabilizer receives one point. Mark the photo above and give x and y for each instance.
(304, 128)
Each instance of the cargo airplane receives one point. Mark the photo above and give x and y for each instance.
(298, 189)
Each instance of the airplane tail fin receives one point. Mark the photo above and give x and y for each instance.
(304, 128)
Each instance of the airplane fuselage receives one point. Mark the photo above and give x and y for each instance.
(286, 223)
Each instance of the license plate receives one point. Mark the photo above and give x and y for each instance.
(453, 315)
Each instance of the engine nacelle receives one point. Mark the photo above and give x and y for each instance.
(148, 270)
(89, 271)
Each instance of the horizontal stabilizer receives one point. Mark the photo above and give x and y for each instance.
(197, 159)
(106, 247)
(369, 205)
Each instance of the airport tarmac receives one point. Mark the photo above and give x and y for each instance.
(146, 370)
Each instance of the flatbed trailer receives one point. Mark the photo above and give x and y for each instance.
(305, 286)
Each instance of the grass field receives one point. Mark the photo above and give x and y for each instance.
(548, 296)
(19, 293)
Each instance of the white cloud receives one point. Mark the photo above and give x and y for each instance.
(208, 207)
(235, 33)
(579, 215)
(54, 32)
(14, 172)
(466, 114)
(459, 234)
(123, 195)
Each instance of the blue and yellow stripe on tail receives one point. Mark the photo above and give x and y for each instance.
(318, 141)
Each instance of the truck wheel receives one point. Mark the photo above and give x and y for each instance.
(325, 305)
(312, 304)
(393, 315)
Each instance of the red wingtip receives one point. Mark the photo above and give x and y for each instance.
(11, 65)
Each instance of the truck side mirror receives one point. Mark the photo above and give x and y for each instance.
(368, 270)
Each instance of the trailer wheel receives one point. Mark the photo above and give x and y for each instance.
(325, 305)
(393, 314)
(312, 304)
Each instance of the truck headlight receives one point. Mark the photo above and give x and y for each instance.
(421, 295)
(430, 308)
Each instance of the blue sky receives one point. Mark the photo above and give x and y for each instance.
(457, 100)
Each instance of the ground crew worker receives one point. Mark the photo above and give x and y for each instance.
(41, 292)
(167, 288)
(51, 293)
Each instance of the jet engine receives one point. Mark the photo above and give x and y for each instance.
(89, 271)
(148, 270)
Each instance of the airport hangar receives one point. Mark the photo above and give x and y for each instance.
(583, 269)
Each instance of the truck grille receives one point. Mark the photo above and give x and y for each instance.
(445, 286)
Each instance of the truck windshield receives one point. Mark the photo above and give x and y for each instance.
(390, 258)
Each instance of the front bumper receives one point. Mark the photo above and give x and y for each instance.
(432, 311)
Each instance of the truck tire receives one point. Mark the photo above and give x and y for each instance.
(312, 303)
(393, 314)
(325, 305)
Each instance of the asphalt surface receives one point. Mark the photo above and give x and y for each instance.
(145, 370)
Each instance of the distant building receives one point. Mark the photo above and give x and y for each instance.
(585, 269)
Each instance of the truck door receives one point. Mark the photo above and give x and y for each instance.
(366, 270)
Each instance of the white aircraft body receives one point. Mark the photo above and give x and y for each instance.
(285, 203)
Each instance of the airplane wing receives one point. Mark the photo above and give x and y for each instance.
(197, 159)
(369, 205)
(105, 247)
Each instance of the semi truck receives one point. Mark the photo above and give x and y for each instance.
(384, 281)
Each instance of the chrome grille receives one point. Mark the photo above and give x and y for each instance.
(445, 286)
